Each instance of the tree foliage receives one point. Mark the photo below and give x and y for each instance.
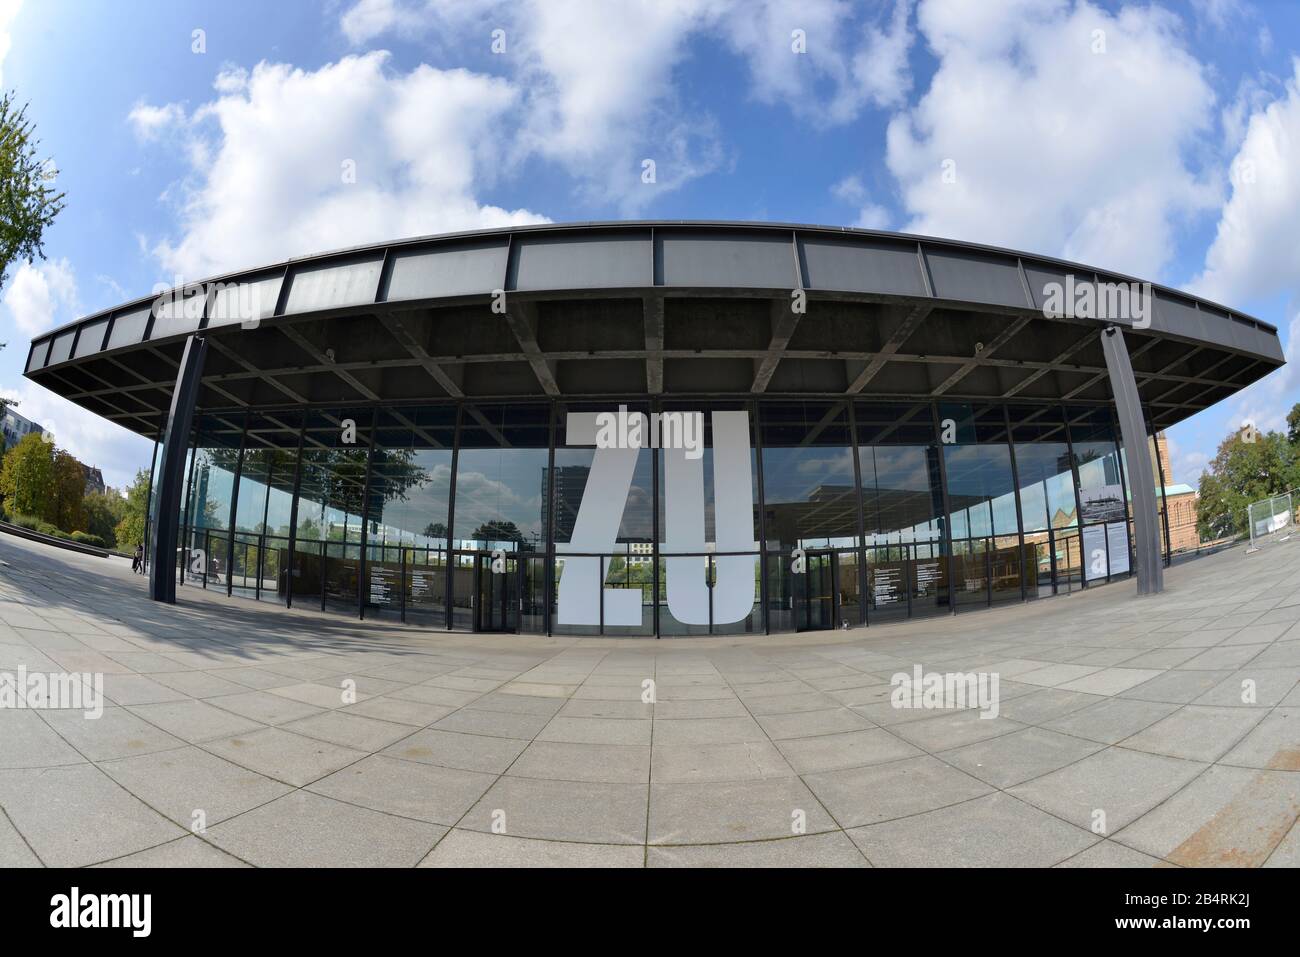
(1293, 425)
(129, 531)
(27, 478)
(103, 511)
(28, 200)
(1249, 466)
(69, 492)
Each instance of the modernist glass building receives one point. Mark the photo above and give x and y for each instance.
(882, 427)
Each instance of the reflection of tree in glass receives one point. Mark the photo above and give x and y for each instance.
(498, 531)
(341, 472)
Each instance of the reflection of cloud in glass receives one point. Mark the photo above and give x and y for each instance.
(480, 500)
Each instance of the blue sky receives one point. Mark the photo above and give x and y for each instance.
(1162, 140)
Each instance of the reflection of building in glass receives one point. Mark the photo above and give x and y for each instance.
(640, 553)
(568, 483)
(829, 512)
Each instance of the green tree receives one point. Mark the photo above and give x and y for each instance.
(103, 511)
(1293, 425)
(69, 492)
(135, 509)
(1249, 466)
(28, 201)
(27, 478)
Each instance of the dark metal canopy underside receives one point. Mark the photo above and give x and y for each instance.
(662, 308)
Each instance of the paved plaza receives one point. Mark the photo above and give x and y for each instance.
(1174, 721)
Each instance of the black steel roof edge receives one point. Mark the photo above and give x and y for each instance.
(618, 225)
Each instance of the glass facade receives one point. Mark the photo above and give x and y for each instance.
(675, 518)
(264, 508)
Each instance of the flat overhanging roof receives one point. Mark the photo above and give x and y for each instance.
(663, 308)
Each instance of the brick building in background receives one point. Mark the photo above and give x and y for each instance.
(1180, 500)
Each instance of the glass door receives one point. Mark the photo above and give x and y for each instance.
(817, 608)
(532, 591)
(496, 607)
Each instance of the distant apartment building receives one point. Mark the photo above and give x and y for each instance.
(15, 426)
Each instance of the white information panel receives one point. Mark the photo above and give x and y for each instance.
(1094, 552)
(1117, 548)
(1105, 550)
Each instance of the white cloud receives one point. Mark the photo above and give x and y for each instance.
(596, 77)
(881, 67)
(36, 298)
(1055, 148)
(1265, 402)
(40, 296)
(368, 19)
(870, 215)
(844, 67)
(1255, 253)
(598, 80)
(112, 449)
(149, 122)
(271, 158)
(1220, 13)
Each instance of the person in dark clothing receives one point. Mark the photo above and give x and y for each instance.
(137, 560)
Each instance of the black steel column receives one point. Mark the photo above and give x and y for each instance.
(271, 463)
(449, 573)
(764, 589)
(548, 559)
(947, 508)
(234, 511)
(148, 512)
(861, 527)
(185, 527)
(1121, 460)
(1078, 500)
(162, 576)
(283, 569)
(365, 521)
(1020, 517)
(654, 546)
(1150, 570)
